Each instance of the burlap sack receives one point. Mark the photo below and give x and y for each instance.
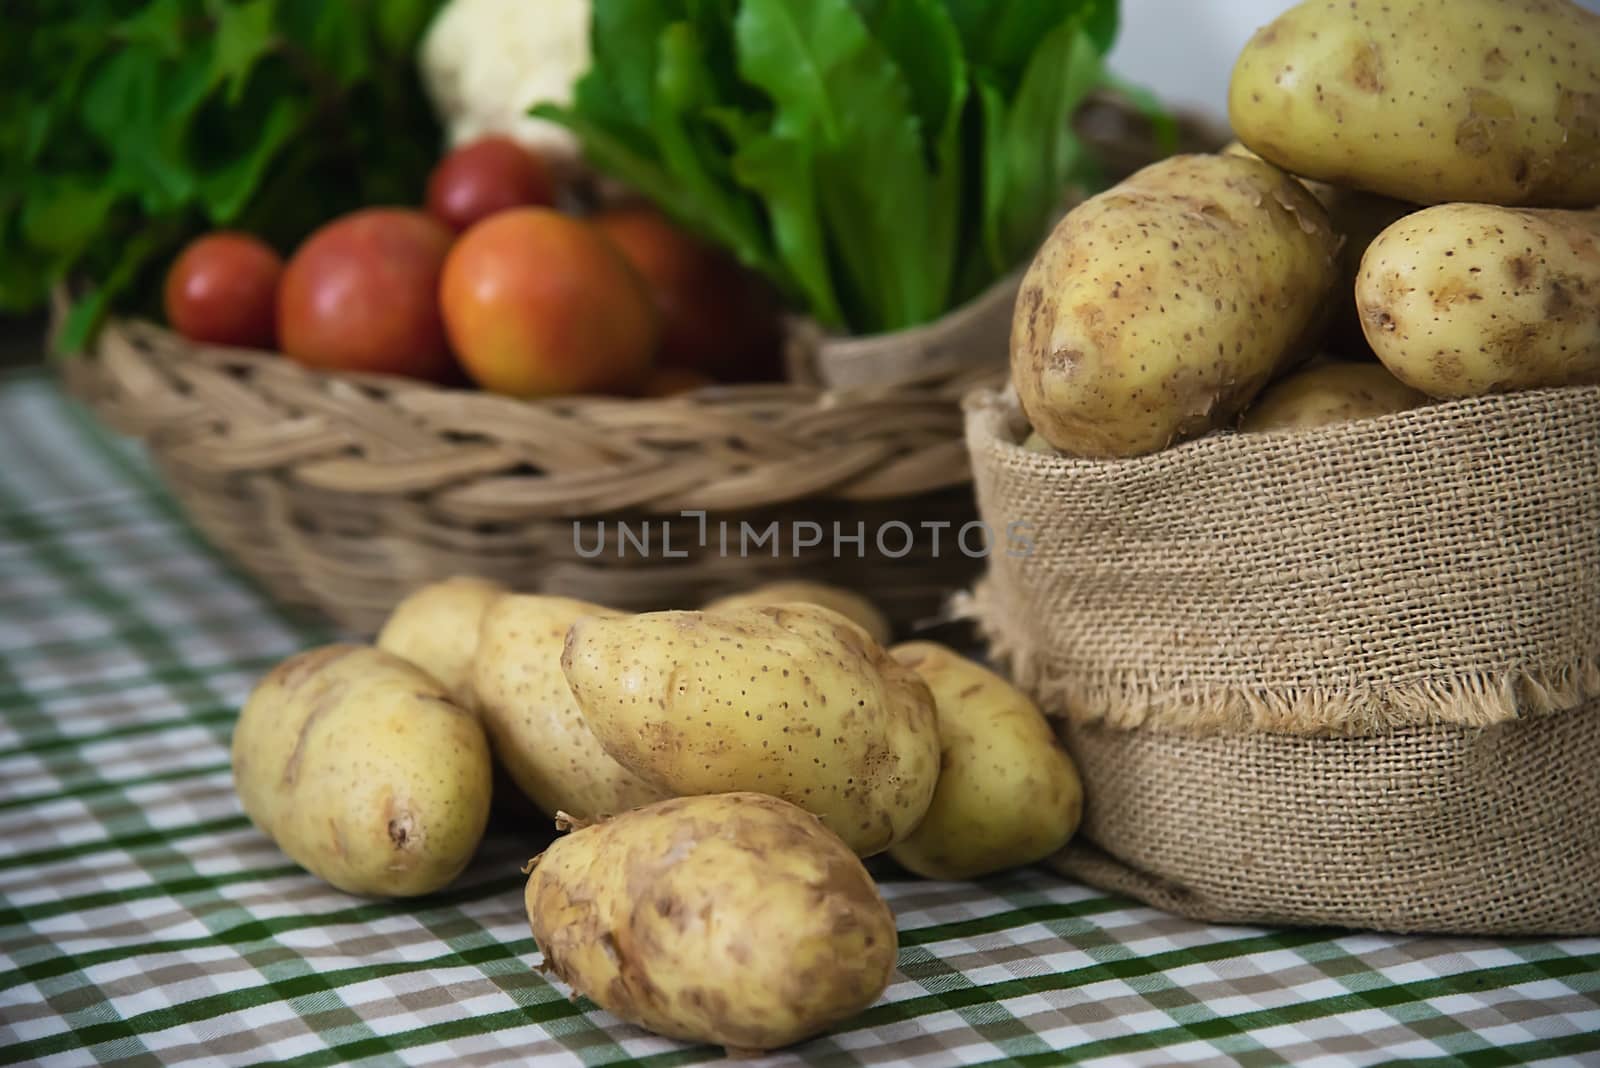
(1344, 676)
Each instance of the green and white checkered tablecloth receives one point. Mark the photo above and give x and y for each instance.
(143, 920)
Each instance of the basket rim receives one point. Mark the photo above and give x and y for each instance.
(940, 383)
(221, 412)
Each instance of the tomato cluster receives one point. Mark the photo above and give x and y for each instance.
(492, 281)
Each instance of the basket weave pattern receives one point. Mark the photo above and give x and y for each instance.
(343, 491)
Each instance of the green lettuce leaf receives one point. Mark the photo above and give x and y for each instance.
(879, 160)
(684, 92)
(1040, 154)
(779, 168)
(818, 62)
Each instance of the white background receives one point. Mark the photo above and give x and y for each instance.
(1184, 49)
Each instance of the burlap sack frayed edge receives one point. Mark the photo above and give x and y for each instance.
(1130, 701)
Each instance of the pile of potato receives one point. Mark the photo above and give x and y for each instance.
(1165, 307)
(722, 773)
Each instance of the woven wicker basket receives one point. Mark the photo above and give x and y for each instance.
(341, 492)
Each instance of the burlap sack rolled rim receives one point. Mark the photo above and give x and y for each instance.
(1131, 700)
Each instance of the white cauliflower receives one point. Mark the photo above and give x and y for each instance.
(485, 62)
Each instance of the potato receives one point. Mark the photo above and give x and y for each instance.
(847, 603)
(732, 918)
(1357, 218)
(436, 628)
(1465, 299)
(1327, 195)
(534, 725)
(1008, 793)
(1158, 309)
(1331, 393)
(792, 700)
(361, 768)
(1429, 100)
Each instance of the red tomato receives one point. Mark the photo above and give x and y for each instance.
(222, 290)
(538, 303)
(716, 317)
(486, 176)
(361, 294)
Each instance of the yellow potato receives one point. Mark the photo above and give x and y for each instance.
(1331, 393)
(731, 918)
(1466, 299)
(847, 603)
(436, 628)
(361, 768)
(534, 725)
(792, 700)
(1327, 195)
(1357, 218)
(1008, 792)
(1429, 100)
(1158, 309)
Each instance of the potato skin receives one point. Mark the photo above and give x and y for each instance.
(729, 918)
(1330, 393)
(1357, 218)
(534, 725)
(1008, 793)
(847, 603)
(1466, 299)
(435, 627)
(1156, 310)
(362, 769)
(1429, 100)
(792, 700)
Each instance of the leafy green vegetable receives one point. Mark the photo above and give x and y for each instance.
(882, 161)
(817, 61)
(1036, 141)
(923, 41)
(687, 141)
(777, 168)
(126, 126)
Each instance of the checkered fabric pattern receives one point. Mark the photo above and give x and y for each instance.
(144, 921)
